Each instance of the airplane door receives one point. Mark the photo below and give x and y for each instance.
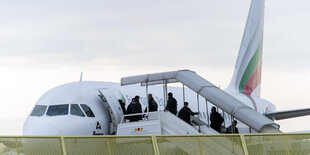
(114, 108)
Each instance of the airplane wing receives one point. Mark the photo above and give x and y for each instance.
(279, 115)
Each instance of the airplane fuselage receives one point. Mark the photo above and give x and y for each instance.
(63, 110)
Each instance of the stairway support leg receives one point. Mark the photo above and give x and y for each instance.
(207, 111)
(183, 94)
(147, 99)
(199, 112)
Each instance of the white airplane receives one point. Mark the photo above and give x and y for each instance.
(76, 109)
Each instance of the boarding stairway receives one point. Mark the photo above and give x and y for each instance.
(210, 92)
(166, 123)
(160, 123)
(153, 123)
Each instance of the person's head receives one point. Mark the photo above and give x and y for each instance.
(137, 98)
(213, 109)
(150, 96)
(235, 123)
(185, 104)
(133, 100)
(170, 95)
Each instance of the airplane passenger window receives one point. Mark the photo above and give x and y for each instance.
(75, 110)
(54, 110)
(87, 110)
(38, 110)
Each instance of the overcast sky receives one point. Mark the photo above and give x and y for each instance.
(47, 43)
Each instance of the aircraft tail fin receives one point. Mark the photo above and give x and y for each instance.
(247, 74)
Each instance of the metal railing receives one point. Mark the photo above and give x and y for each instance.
(144, 116)
(247, 144)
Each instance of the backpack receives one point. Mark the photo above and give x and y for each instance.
(153, 105)
(134, 108)
(130, 108)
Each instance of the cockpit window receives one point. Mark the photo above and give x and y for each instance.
(87, 110)
(39, 110)
(54, 110)
(75, 110)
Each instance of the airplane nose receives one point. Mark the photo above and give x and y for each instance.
(42, 128)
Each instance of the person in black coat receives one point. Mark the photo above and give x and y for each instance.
(122, 105)
(171, 104)
(233, 128)
(185, 113)
(152, 104)
(133, 108)
(216, 120)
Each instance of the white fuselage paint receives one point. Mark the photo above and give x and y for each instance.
(87, 93)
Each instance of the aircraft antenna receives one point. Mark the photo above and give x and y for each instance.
(81, 77)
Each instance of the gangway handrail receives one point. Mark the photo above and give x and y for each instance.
(152, 79)
(135, 114)
(143, 114)
(206, 89)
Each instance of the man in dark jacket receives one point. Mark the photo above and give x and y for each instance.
(133, 108)
(185, 113)
(216, 120)
(152, 104)
(171, 104)
(233, 128)
(122, 105)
